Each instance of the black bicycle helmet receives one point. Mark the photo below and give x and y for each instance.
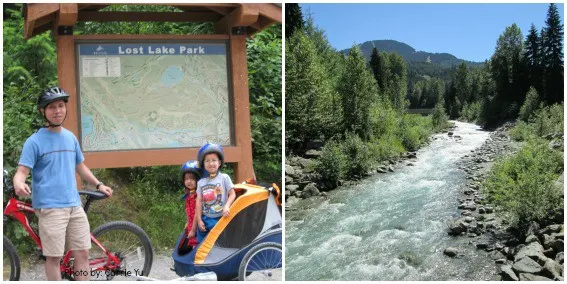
(208, 149)
(50, 95)
(190, 166)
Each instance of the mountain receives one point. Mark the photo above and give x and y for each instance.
(410, 54)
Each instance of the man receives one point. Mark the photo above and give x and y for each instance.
(53, 155)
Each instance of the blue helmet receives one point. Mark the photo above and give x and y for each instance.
(190, 166)
(208, 149)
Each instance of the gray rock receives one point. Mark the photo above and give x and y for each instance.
(526, 265)
(291, 200)
(551, 269)
(292, 187)
(531, 277)
(457, 227)
(391, 169)
(451, 251)
(469, 219)
(466, 213)
(312, 153)
(289, 170)
(304, 163)
(531, 238)
(481, 210)
(409, 164)
(381, 170)
(533, 250)
(550, 229)
(500, 261)
(508, 274)
(559, 258)
(310, 190)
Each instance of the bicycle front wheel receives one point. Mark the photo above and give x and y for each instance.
(263, 262)
(11, 262)
(126, 242)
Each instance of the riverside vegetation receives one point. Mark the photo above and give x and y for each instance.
(147, 196)
(345, 119)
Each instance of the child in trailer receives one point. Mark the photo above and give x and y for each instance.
(190, 175)
(215, 191)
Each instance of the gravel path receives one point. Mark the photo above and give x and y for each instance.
(160, 269)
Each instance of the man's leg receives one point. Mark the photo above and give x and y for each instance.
(52, 224)
(81, 265)
(52, 268)
(79, 240)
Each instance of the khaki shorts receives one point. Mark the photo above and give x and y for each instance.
(63, 228)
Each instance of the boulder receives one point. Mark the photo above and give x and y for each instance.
(310, 190)
(451, 251)
(531, 277)
(526, 265)
(457, 227)
(530, 239)
(289, 170)
(532, 250)
(312, 154)
(559, 258)
(551, 269)
(508, 274)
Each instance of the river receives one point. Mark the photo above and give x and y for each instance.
(390, 226)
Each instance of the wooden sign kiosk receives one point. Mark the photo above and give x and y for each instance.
(233, 22)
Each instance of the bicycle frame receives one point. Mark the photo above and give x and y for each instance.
(17, 209)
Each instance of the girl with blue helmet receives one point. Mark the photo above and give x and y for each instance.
(190, 175)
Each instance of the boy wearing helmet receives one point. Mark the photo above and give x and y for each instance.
(215, 191)
(53, 155)
(190, 174)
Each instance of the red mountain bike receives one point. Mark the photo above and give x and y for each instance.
(119, 249)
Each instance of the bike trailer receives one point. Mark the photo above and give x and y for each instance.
(255, 220)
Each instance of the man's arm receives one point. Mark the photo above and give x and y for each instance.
(88, 176)
(20, 186)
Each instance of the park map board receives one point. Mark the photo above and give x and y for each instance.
(136, 96)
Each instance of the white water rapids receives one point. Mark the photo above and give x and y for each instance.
(390, 226)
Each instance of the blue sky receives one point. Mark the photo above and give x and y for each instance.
(468, 31)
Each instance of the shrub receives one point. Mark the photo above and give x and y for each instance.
(523, 184)
(530, 104)
(414, 130)
(385, 147)
(522, 131)
(357, 156)
(331, 165)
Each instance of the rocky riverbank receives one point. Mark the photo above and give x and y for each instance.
(301, 181)
(539, 256)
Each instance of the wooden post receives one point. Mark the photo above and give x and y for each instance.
(243, 170)
(65, 41)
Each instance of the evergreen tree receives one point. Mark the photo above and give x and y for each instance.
(293, 19)
(358, 90)
(375, 64)
(463, 84)
(397, 83)
(533, 58)
(553, 56)
(307, 88)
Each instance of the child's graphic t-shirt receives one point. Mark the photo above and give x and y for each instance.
(214, 193)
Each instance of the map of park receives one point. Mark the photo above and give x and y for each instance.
(153, 101)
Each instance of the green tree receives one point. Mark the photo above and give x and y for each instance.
(533, 58)
(293, 19)
(358, 90)
(306, 86)
(397, 82)
(530, 105)
(553, 56)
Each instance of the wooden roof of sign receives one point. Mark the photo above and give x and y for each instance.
(44, 17)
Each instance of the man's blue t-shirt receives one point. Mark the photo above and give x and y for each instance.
(53, 158)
